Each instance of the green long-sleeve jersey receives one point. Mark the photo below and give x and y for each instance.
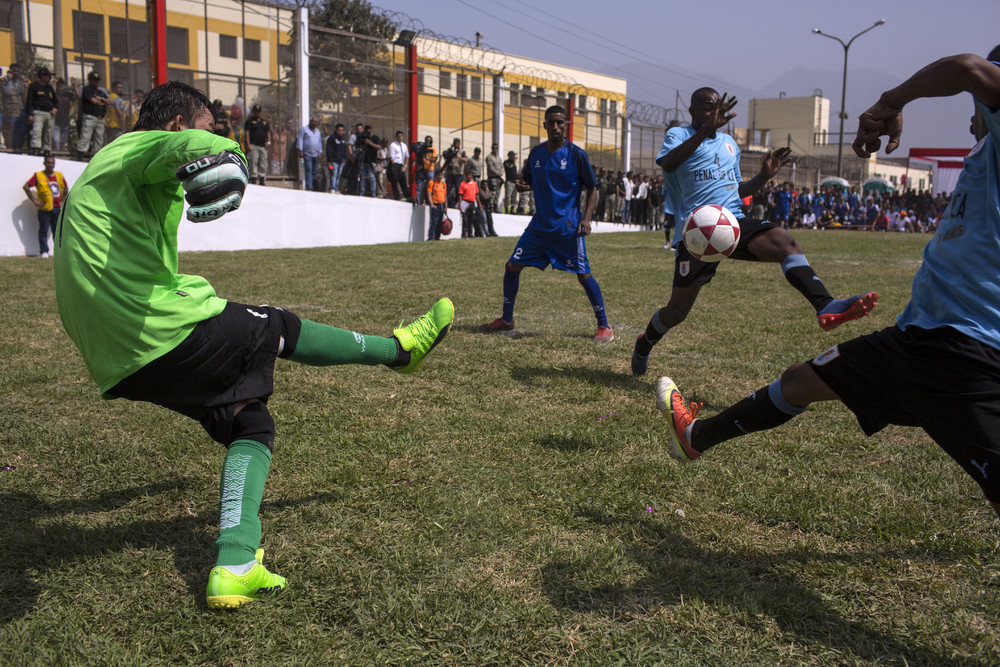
(120, 296)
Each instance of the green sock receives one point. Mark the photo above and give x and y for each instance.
(240, 493)
(322, 345)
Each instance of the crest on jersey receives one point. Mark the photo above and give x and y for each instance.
(684, 268)
(729, 147)
(538, 163)
(562, 164)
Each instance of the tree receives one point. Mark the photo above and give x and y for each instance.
(343, 66)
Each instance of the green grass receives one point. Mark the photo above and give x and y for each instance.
(512, 503)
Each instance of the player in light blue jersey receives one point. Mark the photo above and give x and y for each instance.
(558, 171)
(938, 367)
(702, 166)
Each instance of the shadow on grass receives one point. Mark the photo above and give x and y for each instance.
(564, 444)
(754, 582)
(529, 374)
(30, 547)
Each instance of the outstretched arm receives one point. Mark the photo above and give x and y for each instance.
(944, 78)
(770, 165)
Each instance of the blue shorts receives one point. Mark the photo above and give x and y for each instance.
(566, 253)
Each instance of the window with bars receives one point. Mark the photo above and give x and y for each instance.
(445, 80)
(477, 88)
(515, 95)
(251, 50)
(420, 79)
(462, 86)
(129, 39)
(581, 104)
(177, 46)
(11, 15)
(227, 46)
(88, 32)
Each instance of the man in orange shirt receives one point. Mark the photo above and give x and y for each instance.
(468, 193)
(437, 195)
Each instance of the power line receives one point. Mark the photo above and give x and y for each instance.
(633, 53)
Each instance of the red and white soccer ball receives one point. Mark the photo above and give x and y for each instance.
(711, 233)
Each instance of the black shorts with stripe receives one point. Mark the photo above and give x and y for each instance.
(941, 380)
(691, 272)
(225, 361)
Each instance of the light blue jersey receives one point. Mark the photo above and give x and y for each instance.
(958, 284)
(710, 176)
(557, 180)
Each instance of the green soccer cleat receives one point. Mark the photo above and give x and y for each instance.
(418, 338)
(228, 591)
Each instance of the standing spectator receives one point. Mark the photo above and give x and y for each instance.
(639, 200)
(336, 154)
(476, 163)
(50, 191)
(41, 108)
(93, 106)
(510, 183)
(494, 176)
(366, 148)
(602, 195)
(308, 145)
(381, 157)
(427, 158)
(12, 93)
(782, 201)
(134, 105)
(485, 212)
(114, 121)
(437, 195)
(468, 191)
(258, 133)
(66, 97)
(557, 169)
(399, 156)
(615, 194)
(629, 187)
(454, 164)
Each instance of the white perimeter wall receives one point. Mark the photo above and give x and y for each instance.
(270, 217)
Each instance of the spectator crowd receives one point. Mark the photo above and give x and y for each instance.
(47, 113)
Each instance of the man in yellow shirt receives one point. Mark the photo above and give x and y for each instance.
(49, 193)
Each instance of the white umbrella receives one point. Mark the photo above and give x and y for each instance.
(827, 181)
(878, 183)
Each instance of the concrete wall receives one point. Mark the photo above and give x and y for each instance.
(271, 217)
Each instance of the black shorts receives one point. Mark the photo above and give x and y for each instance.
(940, 380)
(226, 360)
(691, 272)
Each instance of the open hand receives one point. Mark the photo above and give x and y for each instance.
(772, 163)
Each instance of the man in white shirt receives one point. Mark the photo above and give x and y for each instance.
(399, 155)
(627, 185)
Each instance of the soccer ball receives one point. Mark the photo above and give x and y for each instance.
(711, 233)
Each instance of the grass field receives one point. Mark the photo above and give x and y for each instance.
(513, 503)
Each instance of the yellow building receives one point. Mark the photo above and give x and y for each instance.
(226, 48)
(480, 95)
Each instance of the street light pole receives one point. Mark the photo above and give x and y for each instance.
(843, 89)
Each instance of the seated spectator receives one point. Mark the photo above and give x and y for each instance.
(809, 219)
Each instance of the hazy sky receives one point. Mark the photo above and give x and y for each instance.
(737, 46)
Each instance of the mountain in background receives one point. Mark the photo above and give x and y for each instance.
(928, 123)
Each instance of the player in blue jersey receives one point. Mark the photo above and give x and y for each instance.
(702, 166)
(939, 366)
(557, 171)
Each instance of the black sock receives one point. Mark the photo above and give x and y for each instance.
(764, 409)
(802, 277)
(402, 356)
(654, 332)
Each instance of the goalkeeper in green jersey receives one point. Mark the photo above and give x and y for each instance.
(149, 333)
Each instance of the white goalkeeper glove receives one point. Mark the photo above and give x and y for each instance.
(213, 185)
